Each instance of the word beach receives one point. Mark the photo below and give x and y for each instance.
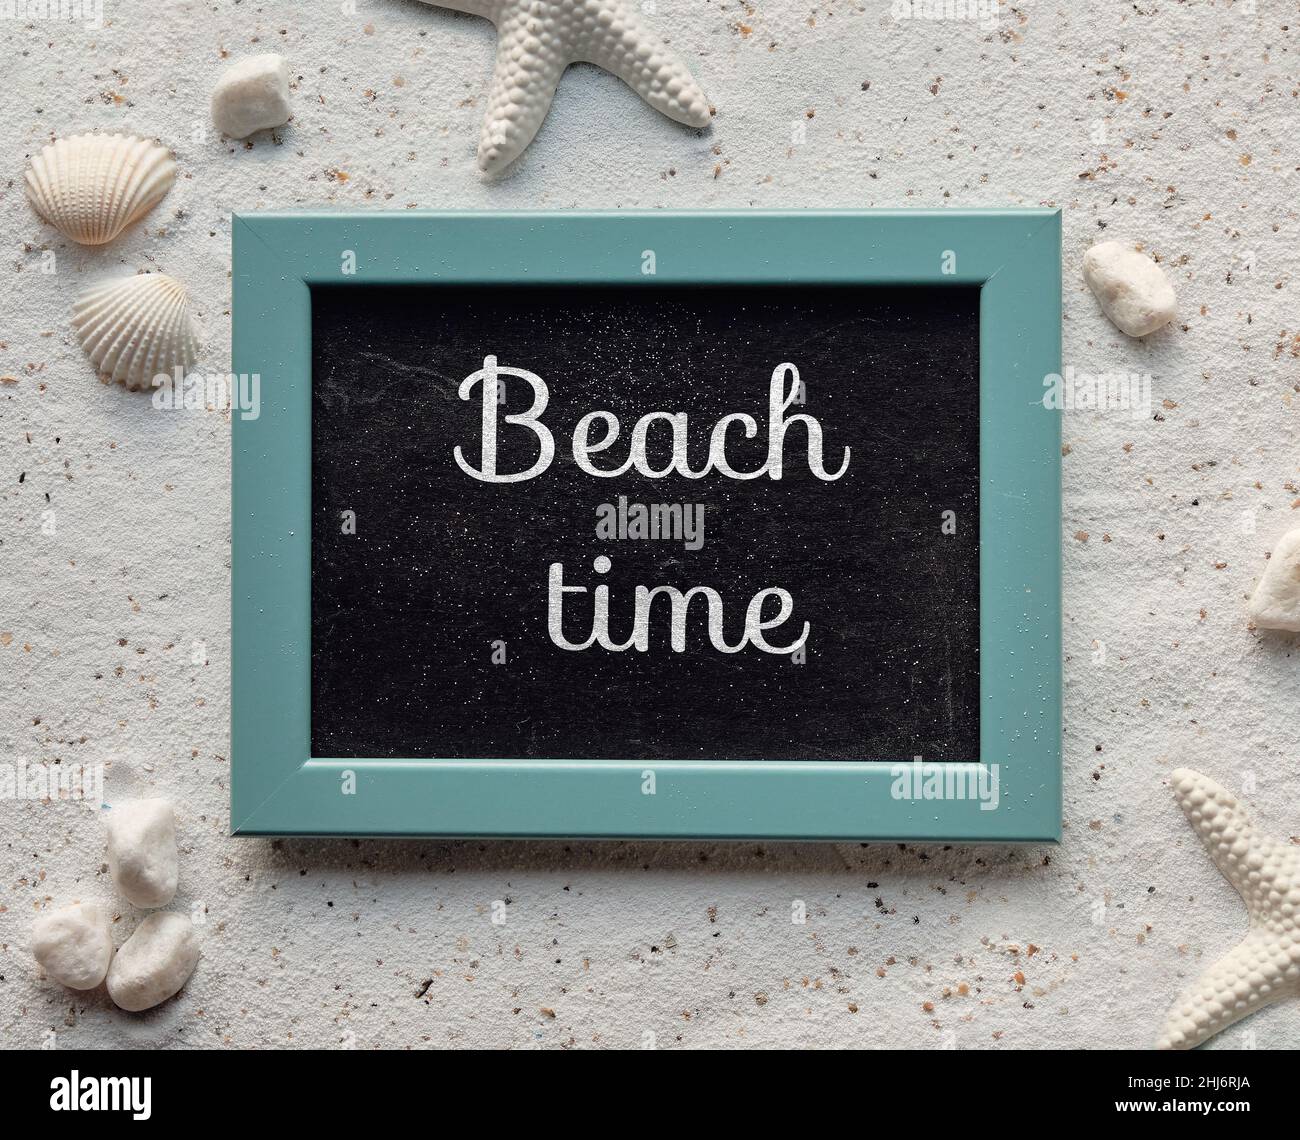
(783, 391)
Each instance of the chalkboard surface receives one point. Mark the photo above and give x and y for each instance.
(439, 625)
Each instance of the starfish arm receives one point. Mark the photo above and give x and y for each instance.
(620, 41)
(1251, 862)
(1259, 971)
(1266, 873)
(538, 39)
(528, 67)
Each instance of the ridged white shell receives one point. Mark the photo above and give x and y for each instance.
(136, 327)
(91, 187)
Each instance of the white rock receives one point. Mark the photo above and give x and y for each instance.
(73, 945)
(142, 851)
(154, 962)
(251, 95)
(1275, 603)
(1133, 290)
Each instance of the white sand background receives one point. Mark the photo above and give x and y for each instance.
(1170, 124)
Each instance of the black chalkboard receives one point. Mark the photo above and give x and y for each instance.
(431, 587)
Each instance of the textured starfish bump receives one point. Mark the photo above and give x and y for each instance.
(1265, 967)
(538, 39)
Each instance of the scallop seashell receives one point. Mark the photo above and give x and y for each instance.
(136, 327)
(91, 187)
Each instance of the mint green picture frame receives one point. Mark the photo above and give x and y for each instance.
(279, 788)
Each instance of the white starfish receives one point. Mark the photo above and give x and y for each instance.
(538, 39)
(1265, 966)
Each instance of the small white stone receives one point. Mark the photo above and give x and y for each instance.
(251, 95)
(154, 962)
(74, 945)
(1276, 601)
(1132, 289)
(142, 851)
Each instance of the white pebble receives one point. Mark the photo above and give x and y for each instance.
(154, 962)
(73, 945)
(1132, 289)
(1276, 601)
(251, 95)
(142, 851)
